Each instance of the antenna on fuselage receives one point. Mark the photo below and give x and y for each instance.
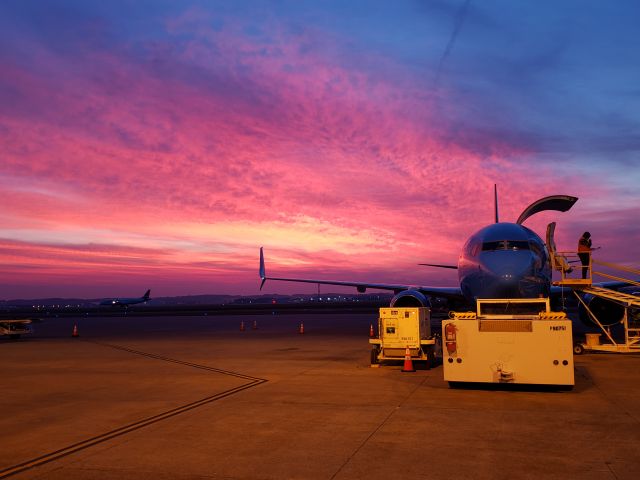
(495, 200)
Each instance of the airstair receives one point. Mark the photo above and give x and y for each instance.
(579, 278)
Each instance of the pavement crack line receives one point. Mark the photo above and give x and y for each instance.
(616, 403)
(89, 442)
(613, 474)
(375, 430)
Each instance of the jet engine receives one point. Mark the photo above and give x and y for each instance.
(410, 298)
(606, 311)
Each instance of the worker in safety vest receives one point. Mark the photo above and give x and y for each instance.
(584, 252)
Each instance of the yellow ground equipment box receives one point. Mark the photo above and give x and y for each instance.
(402, 328)
(16, 327)
(508, 341)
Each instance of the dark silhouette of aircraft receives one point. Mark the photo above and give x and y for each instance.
(126, 301)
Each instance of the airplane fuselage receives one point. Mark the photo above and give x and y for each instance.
(123, 302)
(504, 260)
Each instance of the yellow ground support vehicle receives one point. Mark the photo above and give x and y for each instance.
(402, 328)
(15, 328)
(508, 341)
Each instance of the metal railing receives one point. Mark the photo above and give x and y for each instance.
(616, 266)
(572, 271)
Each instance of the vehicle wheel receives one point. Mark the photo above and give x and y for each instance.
(565, 388)
(437, 349)
(578, 349)
(14, 336)
(374, 356)
(430, 362)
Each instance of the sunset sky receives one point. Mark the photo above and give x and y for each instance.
(158, 144)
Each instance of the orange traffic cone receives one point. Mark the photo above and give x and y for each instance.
(75, 331)
(242, 326)
(255, 325)
(301, 330)
(372, 334)
(408, 364)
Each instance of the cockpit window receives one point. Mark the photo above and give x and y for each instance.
(535, 248)
(505, 245)
(473, 248)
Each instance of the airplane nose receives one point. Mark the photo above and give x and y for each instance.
(512, 269)
(510, 274)
(508, 285)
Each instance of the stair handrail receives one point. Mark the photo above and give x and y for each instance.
(619, 279)
(616, 266)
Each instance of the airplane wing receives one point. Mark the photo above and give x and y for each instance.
(454, 267)
(449, 292)
(557, 290)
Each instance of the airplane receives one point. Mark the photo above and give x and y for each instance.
(501, 260)
(124, 302)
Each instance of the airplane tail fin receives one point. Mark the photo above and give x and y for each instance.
(262, 270)
(146, 294)
(495, 200)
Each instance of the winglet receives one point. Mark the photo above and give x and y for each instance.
(262, 271)
(495, 200)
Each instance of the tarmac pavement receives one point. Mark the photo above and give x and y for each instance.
(196, 398)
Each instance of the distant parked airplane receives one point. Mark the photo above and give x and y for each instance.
(126, 301)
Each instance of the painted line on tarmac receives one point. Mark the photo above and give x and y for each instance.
(63, 452)
(189, 364)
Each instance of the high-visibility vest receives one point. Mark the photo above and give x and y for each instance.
(584, 244)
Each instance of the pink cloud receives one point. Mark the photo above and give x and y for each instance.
(272, 140)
